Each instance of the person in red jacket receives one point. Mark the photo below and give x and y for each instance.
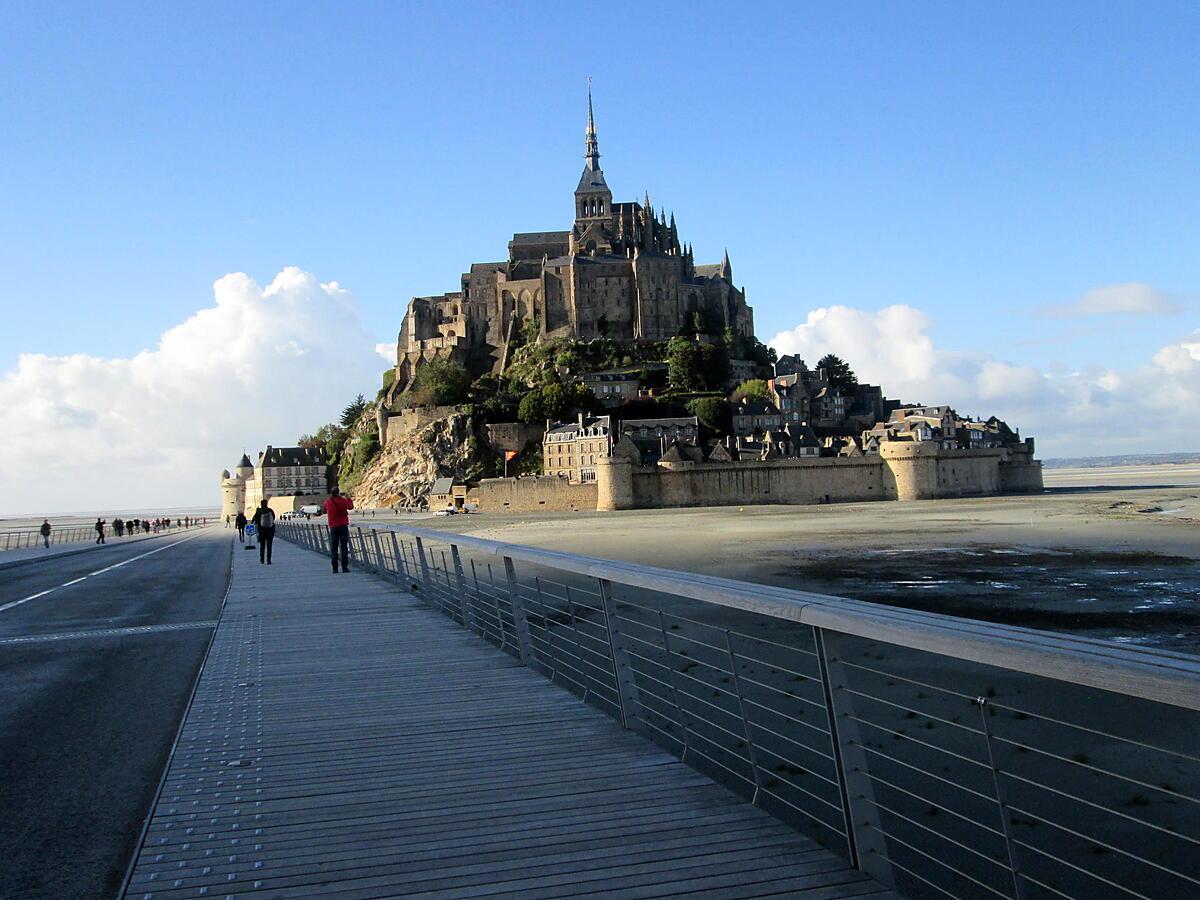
(337, 509)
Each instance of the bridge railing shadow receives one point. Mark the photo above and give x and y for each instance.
(945, 757)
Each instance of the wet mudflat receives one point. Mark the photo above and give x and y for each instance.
(1132, 597)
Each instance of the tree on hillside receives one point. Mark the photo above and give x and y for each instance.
(714, 366)
(554, 401)
(439, 382)
(838, 370)
(683, 365)
(754, 389)
(711, 411)
(355, 409)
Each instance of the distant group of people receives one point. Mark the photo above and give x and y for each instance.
(122, 527)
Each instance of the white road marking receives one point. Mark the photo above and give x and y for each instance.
(15, 603)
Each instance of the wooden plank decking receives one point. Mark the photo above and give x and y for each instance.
(346, 741)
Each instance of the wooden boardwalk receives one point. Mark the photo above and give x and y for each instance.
(345, 740)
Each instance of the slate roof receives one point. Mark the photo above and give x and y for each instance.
(589, 422)
(244, 461)
(442, 486)
(677, 422)
(756, 408)
(712, 271)
(292, 456)
(591, 180)
(488, 266)
(540, 237)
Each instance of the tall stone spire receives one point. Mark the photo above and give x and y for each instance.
(591, 146)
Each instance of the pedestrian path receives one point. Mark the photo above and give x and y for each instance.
(346, 741)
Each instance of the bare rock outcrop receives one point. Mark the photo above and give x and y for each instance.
(403, 470)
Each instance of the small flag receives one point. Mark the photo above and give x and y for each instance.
(509, 455)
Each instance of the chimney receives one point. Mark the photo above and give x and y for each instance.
(580, 420)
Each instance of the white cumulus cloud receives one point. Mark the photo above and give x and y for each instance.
(387, 351)
(261, 365)
(1132, 298)
(1091, 412)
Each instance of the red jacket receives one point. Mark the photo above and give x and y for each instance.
(338, 510)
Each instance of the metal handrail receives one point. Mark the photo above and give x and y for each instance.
(857, 723)
(17, 539)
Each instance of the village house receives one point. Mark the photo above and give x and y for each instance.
(751, 416)
(570, 450)
(447, 493)
(653, 436)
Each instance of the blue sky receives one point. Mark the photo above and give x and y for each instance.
(977, 162)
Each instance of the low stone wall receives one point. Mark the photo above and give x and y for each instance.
(794, 481)
(512, 436)
(405, 422)
(900, 472)
(534, 493)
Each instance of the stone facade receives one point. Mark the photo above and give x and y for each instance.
(572, 450)
(620, 272)
(534, 493)
(289, 477)
(900, 471)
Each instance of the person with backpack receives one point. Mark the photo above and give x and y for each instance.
(240, 522)
(45, 532)
(337, 512)
(264, 521)
(99, 526)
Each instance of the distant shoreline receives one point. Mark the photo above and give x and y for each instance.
(1131, 459)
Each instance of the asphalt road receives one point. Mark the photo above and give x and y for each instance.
(95, 675)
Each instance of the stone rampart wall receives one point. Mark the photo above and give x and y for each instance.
(901, 472)
(512, 435)
(534, 493)
(798, 481)
(405, 422)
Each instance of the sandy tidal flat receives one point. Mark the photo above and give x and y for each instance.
(1101, 553)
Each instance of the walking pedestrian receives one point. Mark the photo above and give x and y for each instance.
(337, 512)
(119, 527)
(45, 531)
(264, 521)
(99, 526)
(227, 521)
(240, 522)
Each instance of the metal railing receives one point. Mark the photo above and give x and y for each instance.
(72, 534)
(943, 756)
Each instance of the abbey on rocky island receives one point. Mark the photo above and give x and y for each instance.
(620, 272)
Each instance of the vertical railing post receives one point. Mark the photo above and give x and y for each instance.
(755, 767)
(627, 692)
(464, 598)
(382, 569)
(865, 844)
(401, 563)
(683, 723)
(495, 592)
(424, 566)
(524, 644)
(1002, 802)
(551, 649)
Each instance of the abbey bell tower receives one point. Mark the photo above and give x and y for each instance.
(593, 199)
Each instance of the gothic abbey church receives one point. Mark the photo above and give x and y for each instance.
(619, 272)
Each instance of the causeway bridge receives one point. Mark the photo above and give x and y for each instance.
(467, 718)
